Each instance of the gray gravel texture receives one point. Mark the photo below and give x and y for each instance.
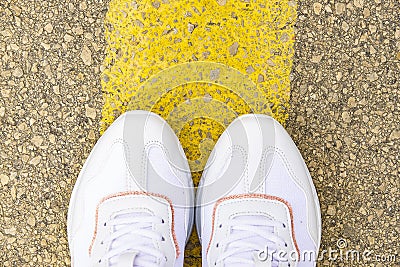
(344, 117)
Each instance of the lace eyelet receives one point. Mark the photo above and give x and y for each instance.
(105, 224)
(286, 245)
(220, 226)
(100, 261)
(162, 238)
(284, 225)
(162, 221)
(217, 245)
(166, 259)
(102, 243)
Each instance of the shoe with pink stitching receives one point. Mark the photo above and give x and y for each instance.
(256, 203)
(132, 204)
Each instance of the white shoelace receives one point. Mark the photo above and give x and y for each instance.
(248, 239)
(132, 239)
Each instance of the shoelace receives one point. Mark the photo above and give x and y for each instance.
(133, 235)
(249, 236)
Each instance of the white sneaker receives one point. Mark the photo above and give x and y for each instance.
(132, 204)
(256, 203)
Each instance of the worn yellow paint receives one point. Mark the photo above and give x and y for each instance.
(199, 64)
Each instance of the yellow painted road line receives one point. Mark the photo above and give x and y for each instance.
(198, 64)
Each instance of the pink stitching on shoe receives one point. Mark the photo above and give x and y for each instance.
(256, 196)
(133, 193)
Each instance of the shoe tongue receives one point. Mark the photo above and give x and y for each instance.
(259, 240)
(129, 256)
(127, 259)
